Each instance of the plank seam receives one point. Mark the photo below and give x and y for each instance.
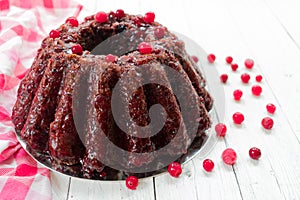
(237, 180)
(277, 182)
(193, 163)
(234, 171)
(281, 24)
(69, 186)
(154, 190)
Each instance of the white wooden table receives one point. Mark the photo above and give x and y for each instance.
(267, 31)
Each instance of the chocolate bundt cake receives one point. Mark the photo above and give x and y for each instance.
(96, 83)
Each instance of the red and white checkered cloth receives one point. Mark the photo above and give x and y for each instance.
(23, 25)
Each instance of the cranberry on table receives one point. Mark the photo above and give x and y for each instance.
(145, 48)
(237, 94)
(195, 58)
(149, 17)
(234, 66)
(73, 21)
(220, 129)
(211, 58)
(267, 123)
(271, 108)
(249, 63)
(224, 78)
(208, 165)
(54, 34)
(229, 59)
(238, 118)
(120, 13)
(255, 153)
(175, 169)
(101, 17)
(256, 90)
(159, 32)
(132, 182)
(258, 78)
(245, 78)
(229, 156)
(77, 49)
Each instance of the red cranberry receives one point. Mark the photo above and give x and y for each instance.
(245, 77)
(211, 58)
(73, 21)
(132, 182)
(249, 63)
(149, 17)
(120, 13)
(138, 20)
(229, 59)
(237, 94)
(224, 78)
(221, 129)
(229, 156)
(208, 165)
(101, 17)
(271, 108)
(267, 123)
(175, 169)
(54, 34)
(145, 48)
(255, 153)
(110, 58)
(111, 15)
(195, 58)
(88, 18)
(258, 78)
(159, 32)
(256, 90)
(234, 66)
(238, 118)
(77, 49)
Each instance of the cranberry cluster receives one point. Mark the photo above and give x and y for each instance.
(229, 155)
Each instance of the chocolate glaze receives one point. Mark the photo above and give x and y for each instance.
(43, 106)
(65, 145)
(95, 146)
(138, 116)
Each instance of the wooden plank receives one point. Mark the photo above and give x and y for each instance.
(60, 186)
(287, 14)
(277, 54)
(271, 177)
(89, 189)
